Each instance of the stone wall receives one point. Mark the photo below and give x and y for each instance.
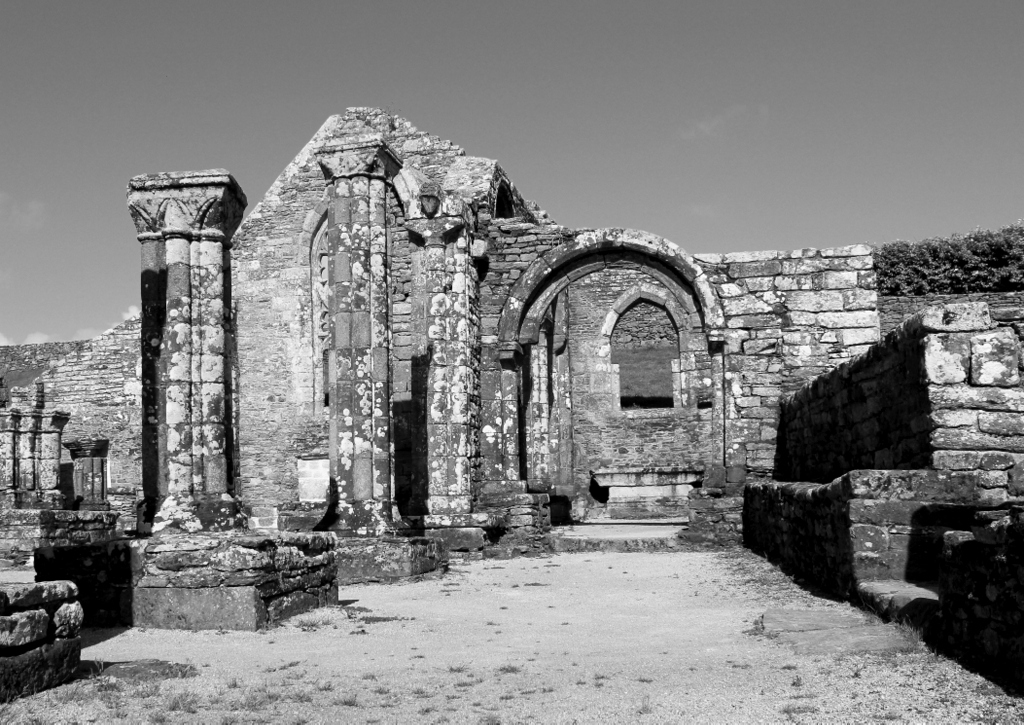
(790, 316)
(981, 594)
(39, 643)
(942, 390)
(22, 531)
(863, 526)
(30, 360)
(645, 325)
(894, 310)
(97, 382)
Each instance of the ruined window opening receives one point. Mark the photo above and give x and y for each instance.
(643, 345)
(90, 474)
(503, 206)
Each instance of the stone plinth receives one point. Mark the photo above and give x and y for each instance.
(202, 581)
(39, 643)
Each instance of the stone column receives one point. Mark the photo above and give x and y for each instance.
(359, 361)
(451, 292)
(185, 221)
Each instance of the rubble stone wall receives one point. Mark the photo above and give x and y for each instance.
(863, 526)
(39, 643)
(942, 390)
(790, 316)
(981, 594)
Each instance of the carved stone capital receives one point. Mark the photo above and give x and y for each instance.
(193, 204)
(368, 155)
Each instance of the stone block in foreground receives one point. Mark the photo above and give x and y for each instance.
(39, 643)
(232, 581)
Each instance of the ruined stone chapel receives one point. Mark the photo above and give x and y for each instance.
(394, 338)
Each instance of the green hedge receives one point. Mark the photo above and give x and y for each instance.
(981, 261)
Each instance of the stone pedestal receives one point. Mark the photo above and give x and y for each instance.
(185, 221)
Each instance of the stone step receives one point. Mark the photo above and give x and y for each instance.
(895, 600)
(832, 632)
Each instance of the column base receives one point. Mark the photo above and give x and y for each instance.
(358, 518)
(187, 514)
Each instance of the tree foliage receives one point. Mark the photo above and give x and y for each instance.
(980, 261)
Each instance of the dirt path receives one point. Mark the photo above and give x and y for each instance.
(652, 638)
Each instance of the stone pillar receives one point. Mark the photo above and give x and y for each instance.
(442, 224)
(185, 221)
(359, 359)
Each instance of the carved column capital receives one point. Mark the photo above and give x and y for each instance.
(368, 155)
(192, 204)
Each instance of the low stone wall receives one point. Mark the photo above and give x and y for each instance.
(39, 643)
(22, 531)
(982, 594)
(203, 581)
(945, 381)
(892, 311)
(863, 526)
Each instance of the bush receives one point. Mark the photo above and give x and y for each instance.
(981, 261)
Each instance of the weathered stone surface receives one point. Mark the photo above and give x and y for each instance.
(231, 608)
(388, 559)
(946, 359)
(22, 628)
(954, 317)
(26, 596)
(39, 669)
(67, 620)
(995, 357)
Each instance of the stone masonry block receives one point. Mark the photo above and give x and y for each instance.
(1002, 424)
(994, 358)
(755, 269)
(955, 317)
(946, 359)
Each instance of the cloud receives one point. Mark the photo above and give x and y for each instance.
(4, 340)
(18, 216)
(714, 125)
(132, 311)
(36, 338)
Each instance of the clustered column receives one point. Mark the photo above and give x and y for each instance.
(185, 221)
(30, 456)
(453, 390)
(360, 302)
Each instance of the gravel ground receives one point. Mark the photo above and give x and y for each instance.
(574, 638)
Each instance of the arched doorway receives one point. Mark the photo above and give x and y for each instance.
(557, 332)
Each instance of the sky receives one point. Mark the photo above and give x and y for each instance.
(723, 125)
